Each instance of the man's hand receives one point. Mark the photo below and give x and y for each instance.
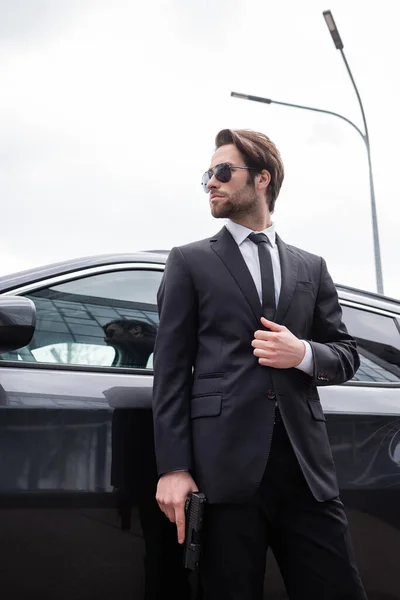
(277, 348)
(172, 491)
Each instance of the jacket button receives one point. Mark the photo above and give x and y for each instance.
(271, 394)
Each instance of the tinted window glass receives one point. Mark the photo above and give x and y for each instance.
(108, 319)
(378, 342)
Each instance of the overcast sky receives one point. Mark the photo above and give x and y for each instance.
(109, 110)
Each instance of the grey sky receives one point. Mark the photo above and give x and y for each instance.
(109, 109)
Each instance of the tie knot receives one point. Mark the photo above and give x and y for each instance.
(258, 238)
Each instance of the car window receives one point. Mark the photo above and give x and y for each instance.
(108, 319)
(378, 340)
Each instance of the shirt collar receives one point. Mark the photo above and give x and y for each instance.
(240, 232)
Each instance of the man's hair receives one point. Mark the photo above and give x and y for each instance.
(260, 153)
(127, 324)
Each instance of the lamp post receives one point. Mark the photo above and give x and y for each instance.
(365, 136)
(320, 110)
(339, 46)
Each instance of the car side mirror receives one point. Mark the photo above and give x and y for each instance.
(17, 322)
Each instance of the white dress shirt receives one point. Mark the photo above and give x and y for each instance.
(249, 252)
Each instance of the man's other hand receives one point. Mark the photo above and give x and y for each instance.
(172, 490)
(278, 347)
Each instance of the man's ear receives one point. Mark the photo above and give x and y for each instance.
(264, 179)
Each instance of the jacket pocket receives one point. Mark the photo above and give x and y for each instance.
(209, 383)
(206, 406)
(210, 375)
(316, 410)
(307, 286)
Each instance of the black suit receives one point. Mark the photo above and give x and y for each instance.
(215, 405)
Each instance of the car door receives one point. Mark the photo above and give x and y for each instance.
(363, 420)
(77, 465)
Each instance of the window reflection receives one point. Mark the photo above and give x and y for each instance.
(378, 342)
(115, 326)
(133, 341)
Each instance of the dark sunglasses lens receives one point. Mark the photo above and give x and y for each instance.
(223, 173)
(205, 179)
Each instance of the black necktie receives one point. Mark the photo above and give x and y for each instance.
(267, 274)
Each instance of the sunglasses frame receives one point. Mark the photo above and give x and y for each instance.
(212, 172)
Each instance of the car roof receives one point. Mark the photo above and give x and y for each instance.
(367, 298)
(36, 274)
(159, 256)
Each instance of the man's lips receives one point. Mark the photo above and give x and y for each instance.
(215, 197)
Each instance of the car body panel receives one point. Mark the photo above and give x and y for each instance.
(78, 472)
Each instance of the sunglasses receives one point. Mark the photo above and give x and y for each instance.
(222, 172)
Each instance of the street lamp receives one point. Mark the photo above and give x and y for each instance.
(320, 110)
(333, 30)
(339, 45)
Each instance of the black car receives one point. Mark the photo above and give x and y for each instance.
(78, 517)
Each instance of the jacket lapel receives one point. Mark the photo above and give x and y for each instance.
(228, 251)
(289, 269)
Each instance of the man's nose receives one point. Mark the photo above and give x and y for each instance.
(213, 183)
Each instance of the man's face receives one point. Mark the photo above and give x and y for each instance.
(237, 197)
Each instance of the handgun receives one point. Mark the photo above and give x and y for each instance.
(194, 512)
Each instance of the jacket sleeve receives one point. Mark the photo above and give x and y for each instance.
(334, 350)
(174, 355)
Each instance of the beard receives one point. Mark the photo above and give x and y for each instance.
(241, 202)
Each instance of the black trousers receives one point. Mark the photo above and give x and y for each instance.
(310, 539)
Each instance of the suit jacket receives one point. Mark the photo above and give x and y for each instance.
(213, 403)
